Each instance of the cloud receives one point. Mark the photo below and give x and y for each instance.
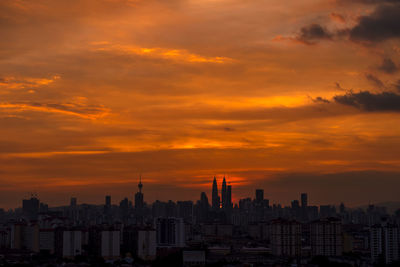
(337, 17)
(371, 1)
(382, 24)
(72, 109)
(157, 52)
(367, 101)
(320, 100)
(339, 87)
(311, 33)
(388, 66)
(11, 82)
(163, 73)
(374, 80)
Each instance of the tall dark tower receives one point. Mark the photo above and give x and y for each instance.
(229, 197)
(223, 193)
(259, 196)
(108, 201)
(204, 207)
(215, 197)
(139, 196)
(304, 200)
(304, 206)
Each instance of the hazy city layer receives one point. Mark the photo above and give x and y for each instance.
(201, 233)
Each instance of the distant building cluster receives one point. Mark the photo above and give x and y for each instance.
(252, 232)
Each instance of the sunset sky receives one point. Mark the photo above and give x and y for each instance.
(289, 96)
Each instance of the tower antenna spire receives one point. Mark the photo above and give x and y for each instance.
(140, 185)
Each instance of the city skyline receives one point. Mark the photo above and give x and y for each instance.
(217, 198)
(288, 96)
(200, 233)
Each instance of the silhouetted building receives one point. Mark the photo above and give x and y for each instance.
(259, 196)
(229, 197)
(203, 208)
(73, 202)
(139, 203)
(304, 208)
(286, 237)
(304, 200)
(108, 201)
(384, 243)
(140, 241)
(170, 232)
(124, 210)
(326, 237)
(25, 236)
(185, 210)
(110, 244)
(295, 204)
(47, 240)
(215, 197)
(139, 196)
(223, 193)
(326, 211)
(71, 243)
(107, 210)
(30, 207)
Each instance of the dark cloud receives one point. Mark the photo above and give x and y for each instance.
(373, 1)
(381, 25)
(388, 66)
(374, 80)
(228, 129)
(311, 33)
(339, 87)
(367, 2)
(320, 100)
(364, 100)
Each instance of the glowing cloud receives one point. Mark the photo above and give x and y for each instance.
(180, 55)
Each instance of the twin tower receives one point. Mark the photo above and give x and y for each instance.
(225, 201)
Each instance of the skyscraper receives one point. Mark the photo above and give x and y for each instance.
(73, 202)
(304, 207)
(124, 210)
(204, 199)
(204, 207)
(259, 196)
(223, 193)
(285, 237)
(215, 197)
(30, 207)
(139, 196)
(229, 197)
(108, 201)
(304, 200)
(170, 232)
(384, 242)
(326, 237)
(107, 210)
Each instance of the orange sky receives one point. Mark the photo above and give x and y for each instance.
(288, 96)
